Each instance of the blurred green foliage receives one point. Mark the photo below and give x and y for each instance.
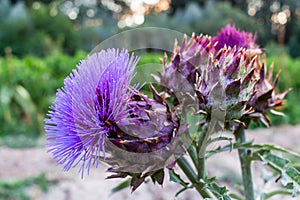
(28, 87)
(289, 78)
(39, 29)
(18, 189)
(208, 19)
(34, 31)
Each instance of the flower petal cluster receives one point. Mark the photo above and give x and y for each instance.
(92, 100)
(231, 37)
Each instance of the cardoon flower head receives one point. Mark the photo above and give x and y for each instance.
(214, 79)
(98, 116)
(148, 141)
(226, 84)
(86, 109)
(264, 98)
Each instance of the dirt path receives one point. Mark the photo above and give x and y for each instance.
(23, 163)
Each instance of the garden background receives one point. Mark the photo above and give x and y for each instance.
(42, 41)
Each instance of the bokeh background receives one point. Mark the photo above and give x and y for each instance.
(42, 41)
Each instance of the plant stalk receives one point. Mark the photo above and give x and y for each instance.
(245, 165)
(192, 176)
(201, 148)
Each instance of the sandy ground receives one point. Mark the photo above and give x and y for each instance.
(29, 162)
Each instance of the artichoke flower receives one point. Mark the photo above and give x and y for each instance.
(211, 79)
(147, 142)
(98, 116)
(265, 99)
(226, 84)
(223, 73)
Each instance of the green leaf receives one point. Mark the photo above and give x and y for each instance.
(221, 138)
(220, 192)
(182, 190)
(121, 186)
(289, 176)
(236, 196)
(174, 177)
(274, 148)
(250, 145)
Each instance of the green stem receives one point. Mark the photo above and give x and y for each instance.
(193, 154)
(199, 163)
(245, 165)
(202, 168)
(201, 155)
(190, 173)
(202, 145)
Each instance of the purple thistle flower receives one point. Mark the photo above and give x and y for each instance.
(93, 99)
(213, 79)
(231, 37)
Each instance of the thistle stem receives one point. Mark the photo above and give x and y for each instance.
(201, 168)
(193, 154)
(245, 165)
(192, 176)
(201, 148)
(199, 162)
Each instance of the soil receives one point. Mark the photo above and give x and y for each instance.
(19, 164)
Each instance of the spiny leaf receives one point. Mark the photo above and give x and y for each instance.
(220, 192)
(174, 177)
(250, 145)
(136, 182)
(290, 177)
